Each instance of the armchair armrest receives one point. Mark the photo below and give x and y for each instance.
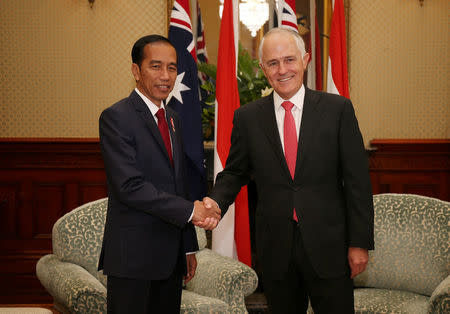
(223, 278)
(71, 285)
(440, 299)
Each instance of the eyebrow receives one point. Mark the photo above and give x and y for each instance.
(160, 62)
(277, 59)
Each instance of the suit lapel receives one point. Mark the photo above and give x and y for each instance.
(310, 123)
(149, 120)
(269, 125)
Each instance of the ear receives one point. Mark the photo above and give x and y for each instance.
(306, 59)
(136, 71)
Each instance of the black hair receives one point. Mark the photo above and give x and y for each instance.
(137, 53)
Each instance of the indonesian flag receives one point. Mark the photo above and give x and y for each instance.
(286, 14)
(232, 236)
(337, 78)
(314, 79)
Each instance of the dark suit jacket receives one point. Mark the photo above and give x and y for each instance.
(331, 190)
(146, 231)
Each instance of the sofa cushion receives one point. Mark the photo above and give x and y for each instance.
(194, 303)
(411, 244)
(371, 300)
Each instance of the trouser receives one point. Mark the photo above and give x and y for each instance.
(301, 283)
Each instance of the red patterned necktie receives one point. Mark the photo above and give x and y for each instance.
(290, 141)
(164, 129)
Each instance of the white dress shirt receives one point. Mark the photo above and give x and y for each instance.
(152, 107)
(297, 111)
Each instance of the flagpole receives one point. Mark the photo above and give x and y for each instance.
(327, 12)
(194, 19)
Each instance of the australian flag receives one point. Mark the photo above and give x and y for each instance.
(202, 55)
(184, 98)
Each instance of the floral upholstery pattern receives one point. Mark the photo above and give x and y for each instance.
(70, 274)
(217, 277)
(370, 300)
(77, 237)
(408, 272)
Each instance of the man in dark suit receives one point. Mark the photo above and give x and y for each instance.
(314, 216)
(149, 239)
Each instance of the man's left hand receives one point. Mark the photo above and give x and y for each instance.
(191, 267)
(357, 258)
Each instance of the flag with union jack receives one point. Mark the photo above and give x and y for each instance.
(286, 14)
(202, 56)
(184, 97)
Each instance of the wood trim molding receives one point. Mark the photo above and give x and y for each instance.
(419, 166)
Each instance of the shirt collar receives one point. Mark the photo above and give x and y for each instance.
(298, 99)
(151, 106)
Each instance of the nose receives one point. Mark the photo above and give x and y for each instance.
(164, 73)
(282, 68)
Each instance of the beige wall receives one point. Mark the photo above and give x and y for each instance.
(63, 62)
(211, 22)
(399, 67)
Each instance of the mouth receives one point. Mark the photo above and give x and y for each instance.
(163, 88)
(285, 79)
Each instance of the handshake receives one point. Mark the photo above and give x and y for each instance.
(206, 214)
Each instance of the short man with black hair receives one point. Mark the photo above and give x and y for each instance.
(149, 239)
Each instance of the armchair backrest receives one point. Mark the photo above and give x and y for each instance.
(411, 244)
(77, 236)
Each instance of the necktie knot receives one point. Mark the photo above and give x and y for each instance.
(160, 114)
(287, 105)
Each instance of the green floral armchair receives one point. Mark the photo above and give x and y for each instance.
(408, 272)
(70, 274)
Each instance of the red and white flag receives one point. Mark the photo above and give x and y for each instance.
(337, 78)
(232, 236)
(286, 14)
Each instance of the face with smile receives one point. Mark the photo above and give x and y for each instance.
(156, 75)
(282, 63)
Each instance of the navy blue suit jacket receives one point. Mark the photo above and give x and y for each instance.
(146, 231)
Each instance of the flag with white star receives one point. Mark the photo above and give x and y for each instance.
(184, 97)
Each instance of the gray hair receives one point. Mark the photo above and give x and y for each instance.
(280, 30)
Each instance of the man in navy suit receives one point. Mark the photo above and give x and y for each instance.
(149, 239)
(314, 216)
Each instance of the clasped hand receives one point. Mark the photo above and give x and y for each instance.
(206, 214)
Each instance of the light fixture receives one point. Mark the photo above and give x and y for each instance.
(252, 13)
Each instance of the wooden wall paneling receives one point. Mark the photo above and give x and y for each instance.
(8, 209)
(411, 166)
(40, 180)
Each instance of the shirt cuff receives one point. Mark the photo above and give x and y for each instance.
(190, 253)
(190, 217)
